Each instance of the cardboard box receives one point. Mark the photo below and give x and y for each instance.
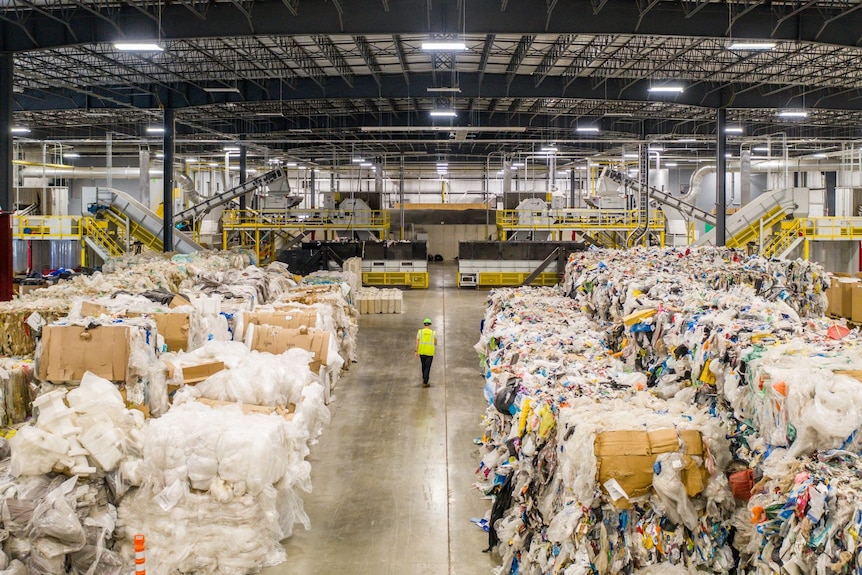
(174, 327)
(277, 340)
(847, 285)
(178, 301)
(292, 319)
(24, 289)
(195, 373)
(90, 309)
(629, 456)
(856, 303)
(69, 351)
(285, 412)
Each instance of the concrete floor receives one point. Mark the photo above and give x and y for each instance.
(393, 473)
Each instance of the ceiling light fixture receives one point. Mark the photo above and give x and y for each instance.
(455, 89)
(630, 156)
(733, 130)
(291, 164)
(550, 149)
(20, 130)
(138, 46)
(160, 155)
(231, 149)
(752, 46)
(221, 89)
(819, 156)
(593, 129)
(656, 149)
(667, 89)
(357, 160)
(365, 164)
(155, 130)
(518, 165)
(270, 114)
(192, 160)
(71, 155)
(671, 164)
(687, 140)
(760, 149)
(451, 46)
(443, 113)
(792, 114)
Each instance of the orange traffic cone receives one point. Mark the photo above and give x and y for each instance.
(140, 556)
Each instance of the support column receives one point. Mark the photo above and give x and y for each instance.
(720, 176)
(6, 264)
(168, 191)
(144, 163)
(7, 102)
(6, 167)
(311, 188)
(243, 164)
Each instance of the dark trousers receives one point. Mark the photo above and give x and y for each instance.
(426, 367)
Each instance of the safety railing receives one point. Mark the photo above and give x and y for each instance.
(46, 227)
(778, 243)
(579, 219)
(93, 230)
(751, 232)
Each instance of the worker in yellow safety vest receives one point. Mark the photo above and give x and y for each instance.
(426, 342)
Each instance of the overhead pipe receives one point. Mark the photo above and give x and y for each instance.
(78, 173)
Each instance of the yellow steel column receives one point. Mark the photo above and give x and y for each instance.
(257, 244)
(805, 249)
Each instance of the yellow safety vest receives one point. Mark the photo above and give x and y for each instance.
(426, 337)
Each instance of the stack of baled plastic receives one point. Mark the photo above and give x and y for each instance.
(330, 302)
(744, 338)
(57, 524)
(17, 390)
(591, 473)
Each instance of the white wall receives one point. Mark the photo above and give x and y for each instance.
(443, 239)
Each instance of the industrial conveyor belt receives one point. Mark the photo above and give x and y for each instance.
(764, 211)
(144, 225)
(231, 194)
(661, 197)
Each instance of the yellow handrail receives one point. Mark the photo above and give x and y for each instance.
(92, 230)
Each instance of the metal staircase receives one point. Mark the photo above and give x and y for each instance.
(762, 214)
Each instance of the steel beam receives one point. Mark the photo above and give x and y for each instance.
(62, 27)
(7, 103)
(712, 94)
(168, 179)
(720, 176)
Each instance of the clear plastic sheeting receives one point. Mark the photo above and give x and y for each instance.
(230, 479)
(338, 315)
(17, 390)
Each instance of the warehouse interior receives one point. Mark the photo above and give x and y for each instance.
(612, 211)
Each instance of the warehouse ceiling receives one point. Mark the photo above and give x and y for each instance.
(323, 80)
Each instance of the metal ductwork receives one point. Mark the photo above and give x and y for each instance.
(76, 173)
(800, 165)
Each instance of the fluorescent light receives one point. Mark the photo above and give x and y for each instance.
(357, 160)
(452, 46)
(593, 129)
(819, 156)
(752, 46)
(160, 155)
(793, 114)
(71, 155)
(630, 155)
(231, 149)
(671, 164)
(728, 155)
(192, 160)
(445, 89)
(443, 113)
(550, 149)
(513, 167)
(213, 164)
(656, 149)
(138, 46)
(668, 89)
(20, 130)
(518, 165)
(291, 164)
(273, 161)
(221, 89)
(733, 130)
(442, 164)
(365, 164)
(270, 114)
(155, 130)
(760, 149)
(687, 140)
